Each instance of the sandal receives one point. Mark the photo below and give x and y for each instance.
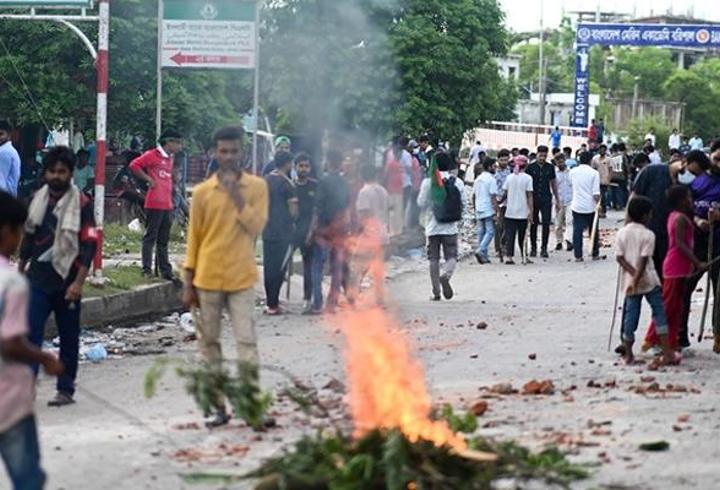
(61, 399)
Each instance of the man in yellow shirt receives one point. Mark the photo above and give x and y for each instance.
(228, 213)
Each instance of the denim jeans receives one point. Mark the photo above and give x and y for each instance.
(486, 234)
(67, 319)
(20, 450)
(321, 255)
(631, 313)
(582, 222)
(619, 194)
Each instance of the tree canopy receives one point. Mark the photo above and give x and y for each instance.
(379, 66)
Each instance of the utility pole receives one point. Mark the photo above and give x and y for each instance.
(101, 66)
(636, 91)
(158, 75)
(541, 84)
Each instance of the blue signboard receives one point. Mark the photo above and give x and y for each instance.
(664, 35)
(582, 87)
(669, 35)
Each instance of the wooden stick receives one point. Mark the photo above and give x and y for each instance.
(479, 456)
(615, 306)
(594, 231)
(708, 284)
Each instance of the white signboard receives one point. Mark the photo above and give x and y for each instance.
(208, 34)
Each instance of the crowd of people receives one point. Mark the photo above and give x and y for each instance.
(344, 217)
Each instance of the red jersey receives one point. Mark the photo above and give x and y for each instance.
(159, 166)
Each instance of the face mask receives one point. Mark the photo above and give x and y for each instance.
(686, 177)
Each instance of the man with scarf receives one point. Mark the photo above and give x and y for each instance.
(59, 245)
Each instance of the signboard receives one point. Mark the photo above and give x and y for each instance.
(208, 34)
(46, 3)
(662, 35)
(667, 35)
(582, 87)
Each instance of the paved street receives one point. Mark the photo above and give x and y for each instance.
(555, 309)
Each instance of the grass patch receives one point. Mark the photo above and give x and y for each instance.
(120, 240)
(120, 279)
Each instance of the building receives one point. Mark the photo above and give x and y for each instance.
(558, 109)
(509, 66)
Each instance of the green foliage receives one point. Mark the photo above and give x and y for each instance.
(386, 459)
(466, 423)
(61, 79)
(210, 385)
(638, 128)
(698, 88)
(385, 67)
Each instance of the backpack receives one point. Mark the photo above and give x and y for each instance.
(450, 210)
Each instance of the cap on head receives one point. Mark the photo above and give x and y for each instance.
(282, 140)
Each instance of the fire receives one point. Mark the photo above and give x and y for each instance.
(387, 385)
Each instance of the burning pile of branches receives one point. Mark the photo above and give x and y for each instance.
(396, 443)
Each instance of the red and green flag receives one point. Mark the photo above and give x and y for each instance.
(438, 193)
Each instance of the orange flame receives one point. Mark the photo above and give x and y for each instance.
(387, 385)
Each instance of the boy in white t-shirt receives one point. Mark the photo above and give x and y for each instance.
(634, 249)
(518, 200)
(19, 446)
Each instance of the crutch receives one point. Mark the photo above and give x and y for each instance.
(708, 285)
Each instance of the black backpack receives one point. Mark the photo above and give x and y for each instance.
(450, 210)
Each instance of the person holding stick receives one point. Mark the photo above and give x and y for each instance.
(585, 182)
(680, 263)
(705, 191)
(634, 249)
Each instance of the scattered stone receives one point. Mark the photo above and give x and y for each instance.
(534, 387)
(479, 408)
(532, 356)
(503, 389)
(335, 385)
(482, 326)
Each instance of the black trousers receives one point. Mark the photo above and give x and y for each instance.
(514, 228)
(276, 256)
(157, 234)
(701, 252)
(307, 259)
(544, 209)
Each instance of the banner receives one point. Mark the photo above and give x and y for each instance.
(582, 87)
(661, 35)
(666, 35)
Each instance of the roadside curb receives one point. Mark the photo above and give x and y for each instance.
(125, 308)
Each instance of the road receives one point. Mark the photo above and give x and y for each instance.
(554, 311)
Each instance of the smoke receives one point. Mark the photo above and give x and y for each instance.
(329, 70)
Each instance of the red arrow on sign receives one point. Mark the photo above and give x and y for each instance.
(184, 59)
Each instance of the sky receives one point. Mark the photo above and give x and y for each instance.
(524, 15)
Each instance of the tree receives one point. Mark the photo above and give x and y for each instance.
(699, 96)
(60, 79)
(385, 67)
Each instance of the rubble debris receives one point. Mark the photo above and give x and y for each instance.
(534, 387)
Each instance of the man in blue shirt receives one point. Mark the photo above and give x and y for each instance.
(555, 137)
(9, 161)
(570, 162)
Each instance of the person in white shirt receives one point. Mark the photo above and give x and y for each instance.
(585, 182)
(651, 136)
(652, 154)
(696, 142)
(475, 153)
(564, 198)
(518, 200)
(674, 141)
(440, 234)
(486, 207)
